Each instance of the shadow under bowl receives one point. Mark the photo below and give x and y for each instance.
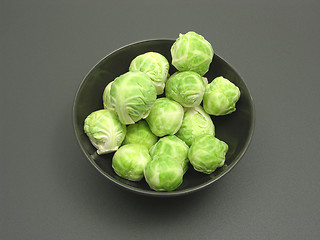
(236, 129)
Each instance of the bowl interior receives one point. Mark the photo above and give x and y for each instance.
(235, 129)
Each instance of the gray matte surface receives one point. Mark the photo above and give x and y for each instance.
(50, 191)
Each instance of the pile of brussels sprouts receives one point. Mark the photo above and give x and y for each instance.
(156, 137)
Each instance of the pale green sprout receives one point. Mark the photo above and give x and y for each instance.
(163, 173)
(191, 52)
(165, 117)
(106, 97)
(104, 130)
(155, 65)
(205, 80)
(207, 153)
(195, 122)
(132, 95)
(187, 88)
(130, 161)
(220, 97)
(174, 147)
(140, 133)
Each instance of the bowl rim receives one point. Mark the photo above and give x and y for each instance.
(151, 192)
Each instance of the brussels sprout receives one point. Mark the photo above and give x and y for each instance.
(154, 65)
(130, 161)
(106, 97)
(165, 117)
(195, 122)
(205, 80)
(191, 52)
(140, 133)
(174, 147)
(220, 97)
(187, 88)
(163, 173)
(207, 153)
(104, 130)
(132, 95)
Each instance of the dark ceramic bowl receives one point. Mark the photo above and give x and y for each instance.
(235, 129)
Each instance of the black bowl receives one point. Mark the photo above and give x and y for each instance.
(235, 129)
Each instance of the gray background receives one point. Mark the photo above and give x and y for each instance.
(50, 191)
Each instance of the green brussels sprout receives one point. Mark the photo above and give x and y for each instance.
(205, 80)
(165, 117)
(140, 133)
(104, 130)
(132, 95)
(191, 52)
(195, 122)
(187, 88)
(163, 173)
(207, 153)
(106, 97)
(155, 65)
(130, 161)
(174, 147)
(220, 97)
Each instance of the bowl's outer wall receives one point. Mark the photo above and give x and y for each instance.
(235, 129)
